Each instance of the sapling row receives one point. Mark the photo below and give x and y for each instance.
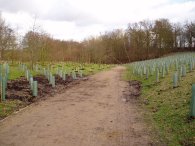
(4, 76)
(51, 78)
(161, 67)
(33, 84)
(179, 66)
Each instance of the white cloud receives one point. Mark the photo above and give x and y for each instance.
(76, 19)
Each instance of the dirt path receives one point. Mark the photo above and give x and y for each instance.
(92, 113)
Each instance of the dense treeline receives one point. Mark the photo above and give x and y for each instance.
(141, 40)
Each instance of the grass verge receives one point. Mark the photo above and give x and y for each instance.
(9, 106)
(168, 107)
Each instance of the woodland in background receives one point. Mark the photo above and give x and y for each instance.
(141, 40)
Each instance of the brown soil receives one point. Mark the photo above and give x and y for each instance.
(20, 88)
(101, 111)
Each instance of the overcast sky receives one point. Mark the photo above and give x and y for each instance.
(79, 19)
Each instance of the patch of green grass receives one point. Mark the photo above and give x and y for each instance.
(9, 106)
(87, 68)
(15, 73)
(169, 107)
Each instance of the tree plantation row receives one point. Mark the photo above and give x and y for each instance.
(168, 95)
(178, 65)
(141, 40)
(64, 71)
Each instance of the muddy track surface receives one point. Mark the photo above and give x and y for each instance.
(96, 112)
